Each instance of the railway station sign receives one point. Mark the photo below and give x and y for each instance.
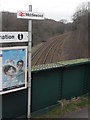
(30, 15)
(13, 69)
(7, 37)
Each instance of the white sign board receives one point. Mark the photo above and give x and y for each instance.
(30, 15)
(7, 37)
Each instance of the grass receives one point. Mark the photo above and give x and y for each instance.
(65, 107)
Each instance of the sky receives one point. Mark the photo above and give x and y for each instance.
(53, 9)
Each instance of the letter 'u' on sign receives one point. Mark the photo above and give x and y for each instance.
(20, 36)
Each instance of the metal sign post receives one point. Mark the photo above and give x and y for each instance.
(31, 16)
(29, 63)
(38, 17)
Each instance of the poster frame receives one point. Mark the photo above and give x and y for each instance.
(19, 88)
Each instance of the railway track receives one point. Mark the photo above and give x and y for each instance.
(42, 51)
(49, 52)
(37, 51)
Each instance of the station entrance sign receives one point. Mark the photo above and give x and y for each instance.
(9, 37)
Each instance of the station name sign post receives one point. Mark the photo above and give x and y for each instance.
(30, 16)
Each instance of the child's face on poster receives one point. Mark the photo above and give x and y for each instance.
(11, 72)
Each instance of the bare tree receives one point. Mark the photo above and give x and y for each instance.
(81, 10)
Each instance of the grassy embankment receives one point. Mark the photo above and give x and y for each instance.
(66, 106)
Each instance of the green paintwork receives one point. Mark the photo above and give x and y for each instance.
(50, 83)
(14, 104)
(74, 81)
(46, 89)
(60, 64)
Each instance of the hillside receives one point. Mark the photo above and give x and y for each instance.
(51, 51)
(41, 30)
(54, 41)
(69, 45)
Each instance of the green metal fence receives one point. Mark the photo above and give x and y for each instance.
(14, 104)
(75, 81)
(46, 88)
(50, 83)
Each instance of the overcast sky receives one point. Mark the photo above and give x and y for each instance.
(53, 9)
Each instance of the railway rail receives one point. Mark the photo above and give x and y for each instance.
(49, 52)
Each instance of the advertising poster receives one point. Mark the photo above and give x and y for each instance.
(14, 69)
(0, 70)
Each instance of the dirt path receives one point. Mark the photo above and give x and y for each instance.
(80, 114)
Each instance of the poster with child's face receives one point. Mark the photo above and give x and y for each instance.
(14, 69)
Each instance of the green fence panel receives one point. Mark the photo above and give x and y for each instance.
(48, 86)
(74, 79)
(86, 79)
(14, 104)
(45, 88)
(89, 76)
